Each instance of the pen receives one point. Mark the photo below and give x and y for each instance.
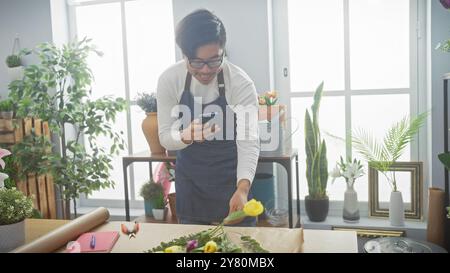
(92, 244)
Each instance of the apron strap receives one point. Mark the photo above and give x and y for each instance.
(221, 83)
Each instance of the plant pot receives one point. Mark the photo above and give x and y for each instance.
(150, 129)
(7, 114)
(159, 214)
(317, 209)
(396, 209)
(351, 210)
(15, 73)
(148, 208)
(12, 236)
(436, 219)
(173, 204)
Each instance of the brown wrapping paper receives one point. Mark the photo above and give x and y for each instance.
(275, 240)
(60, 237)
(436, 217)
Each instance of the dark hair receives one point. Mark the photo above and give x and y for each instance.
(197, 29)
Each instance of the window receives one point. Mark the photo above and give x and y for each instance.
(366, 52)
(137, 39)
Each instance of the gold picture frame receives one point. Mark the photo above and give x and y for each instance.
(415, 211)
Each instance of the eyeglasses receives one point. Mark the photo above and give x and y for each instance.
(198, 64)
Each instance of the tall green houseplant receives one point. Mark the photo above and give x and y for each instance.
(316, 202)
(58, 90)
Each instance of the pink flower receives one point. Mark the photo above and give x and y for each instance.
(3, 153)
(192, 244)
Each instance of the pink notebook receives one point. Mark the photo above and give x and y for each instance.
(102, 241)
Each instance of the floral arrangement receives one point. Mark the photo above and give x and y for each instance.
(215, 239)
(348, 169)
(268, 98)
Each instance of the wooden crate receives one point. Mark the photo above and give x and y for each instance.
(41, 188)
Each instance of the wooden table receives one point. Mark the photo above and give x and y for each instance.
(284, 158)
(315, 241)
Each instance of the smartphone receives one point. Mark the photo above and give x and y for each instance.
(204, 118)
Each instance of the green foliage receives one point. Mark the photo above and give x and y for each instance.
(155, 193)
(216, 234)
(381, 156)
(444, 46)
(58, 91)
(15, 60)
(147, 102)
(6, 105)
(316, 151)
(30, 155)
(14, 206)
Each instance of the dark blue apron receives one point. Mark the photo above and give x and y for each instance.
(206, 172)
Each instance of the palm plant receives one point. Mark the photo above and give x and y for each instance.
(381, 156)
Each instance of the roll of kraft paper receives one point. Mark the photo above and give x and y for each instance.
(436, 217)
(58, 238)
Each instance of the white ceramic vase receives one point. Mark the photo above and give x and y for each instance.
(351, 209)
(12, 236)
(396, 209)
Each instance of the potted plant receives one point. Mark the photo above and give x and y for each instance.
(381, 156)
(350, 170)
(70, 105)
(6, 109)
(14, 208)
(154, 199)
(317, 202)
(146, 192)
(14, 64)
(148, 104)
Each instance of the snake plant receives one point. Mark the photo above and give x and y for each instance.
(316, 151)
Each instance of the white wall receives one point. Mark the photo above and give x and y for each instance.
(439, 23)
(246, 24)
(31, 20)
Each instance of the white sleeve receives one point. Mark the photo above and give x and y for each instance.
(246, 108)
(169, 135)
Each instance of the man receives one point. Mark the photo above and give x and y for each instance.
(216, 161)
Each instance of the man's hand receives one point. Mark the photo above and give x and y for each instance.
(239, 199)
(198, 132)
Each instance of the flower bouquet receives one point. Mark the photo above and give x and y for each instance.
(216, 239)
(349, 169)
(268, 106)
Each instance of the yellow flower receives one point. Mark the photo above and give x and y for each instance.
(174, 249)
(210, 247)
(253, 208)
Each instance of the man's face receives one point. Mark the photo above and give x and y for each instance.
(207, 63)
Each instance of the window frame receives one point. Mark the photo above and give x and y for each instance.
(418, 81)
(85, 201)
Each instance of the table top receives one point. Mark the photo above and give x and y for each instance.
(315, 241)
(263, 156)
